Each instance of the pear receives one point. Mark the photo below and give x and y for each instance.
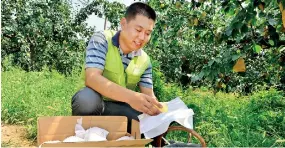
(164, 107)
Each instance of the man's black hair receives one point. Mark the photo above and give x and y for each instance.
(140, 8)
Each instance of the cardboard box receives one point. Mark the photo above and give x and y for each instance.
(61, 127)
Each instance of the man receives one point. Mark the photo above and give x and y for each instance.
(115, 64)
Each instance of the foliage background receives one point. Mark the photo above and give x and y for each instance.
(209, 37)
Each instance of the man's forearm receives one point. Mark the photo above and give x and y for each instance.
(147, 91)
(109, 89)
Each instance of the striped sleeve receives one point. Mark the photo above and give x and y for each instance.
(96, 51)
(146, 78)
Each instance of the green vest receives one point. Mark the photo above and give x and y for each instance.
(114, 68)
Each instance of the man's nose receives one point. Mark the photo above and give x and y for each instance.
(142, 35)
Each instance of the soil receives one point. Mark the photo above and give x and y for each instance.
(15, 136)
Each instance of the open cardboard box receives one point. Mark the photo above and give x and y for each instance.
(61, 127)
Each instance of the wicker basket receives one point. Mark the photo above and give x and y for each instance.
(191, 134)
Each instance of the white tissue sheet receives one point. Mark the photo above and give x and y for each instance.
(79, 130)
(73, 139)
(126, 138)
(152, 126)
(96, 134)
(91, 134)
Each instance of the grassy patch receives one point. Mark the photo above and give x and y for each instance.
(29, 95)
(224, 120)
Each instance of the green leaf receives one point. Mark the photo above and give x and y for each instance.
(280, 141)
(218, 60)
(231, 12)
(201, 75)
(257, 48)
(253, 21)
(194, 78)
(225, 3)
(211, 62)
(235, 57)
(248, 18)
(262, 14)
(272, 22)
(271, 42)
(244, 28)
(227, 9)
(211, 39)
(238, 25)
(229, 31)
(282, 48)
(235, 32)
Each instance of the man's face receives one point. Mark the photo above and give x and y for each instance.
(136, 32)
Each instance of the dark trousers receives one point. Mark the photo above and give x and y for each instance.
(87, 102)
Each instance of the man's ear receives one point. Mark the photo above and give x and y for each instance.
(123, 23)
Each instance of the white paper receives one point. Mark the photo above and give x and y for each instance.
(152, 126)
(91, 134)
(96, 134)
(79, 130)
(126, 138)
(73, 139)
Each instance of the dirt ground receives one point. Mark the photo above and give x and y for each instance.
(14, 136)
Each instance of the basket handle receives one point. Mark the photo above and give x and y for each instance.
(181, 128)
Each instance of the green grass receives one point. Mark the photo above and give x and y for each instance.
(224, 120)
(28, 95)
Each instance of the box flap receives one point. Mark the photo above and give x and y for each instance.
(60, 127)
(135, 129)
(123, 143)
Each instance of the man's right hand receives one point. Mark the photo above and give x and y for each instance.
(144, 103)
(138, 101)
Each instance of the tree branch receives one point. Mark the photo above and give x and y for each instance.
(9, 36)
(252, 31)
(260, 42)
(240, 4)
